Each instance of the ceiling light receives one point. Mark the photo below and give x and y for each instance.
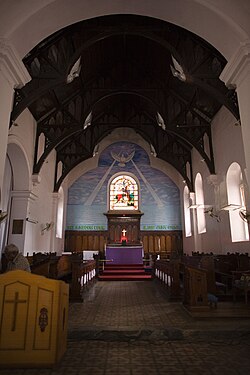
(75, 71)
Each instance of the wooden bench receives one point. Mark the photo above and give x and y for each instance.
(195, 289)
(241, 284)
(169, 274)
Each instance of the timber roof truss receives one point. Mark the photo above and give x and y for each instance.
(124, 71)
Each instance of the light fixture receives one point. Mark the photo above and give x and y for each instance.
(74, 72)
(160, 121)
(194, 206)
(33, 221)
(231, 207)
(204, 206)
(87, 121)
(177, 70)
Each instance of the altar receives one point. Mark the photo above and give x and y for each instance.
(124, 254)
(124, 224)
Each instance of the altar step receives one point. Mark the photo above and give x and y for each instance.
(124, 273)
(124, 267)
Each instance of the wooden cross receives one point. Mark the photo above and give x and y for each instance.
(124, 232)
(15, 301)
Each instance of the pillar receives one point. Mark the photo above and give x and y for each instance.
(237, 74)
(12, 74)
(21, 231)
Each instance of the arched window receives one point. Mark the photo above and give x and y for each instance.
(236, 197)
(59, 220)
(201, 222)
(187, 216)
(123, 193)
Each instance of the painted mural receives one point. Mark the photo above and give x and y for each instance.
(159, 197)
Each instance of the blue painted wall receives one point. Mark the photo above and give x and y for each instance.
(159, 196)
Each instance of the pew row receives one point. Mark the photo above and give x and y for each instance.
(69, 268)
(194, 280)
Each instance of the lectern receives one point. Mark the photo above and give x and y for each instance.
(34, 320)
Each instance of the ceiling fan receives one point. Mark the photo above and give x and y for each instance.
(3, 215)
(212, 214)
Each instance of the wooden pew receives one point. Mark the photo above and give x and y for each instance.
(241, 284)
(195, 289)
(169, 274)
(82, 273)
(64, 267)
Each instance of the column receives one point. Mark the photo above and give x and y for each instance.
(53, 244)
(237, 74)
(12, 74)
(21, 231)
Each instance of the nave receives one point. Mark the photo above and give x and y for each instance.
(131, 328)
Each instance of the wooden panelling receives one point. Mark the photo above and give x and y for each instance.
(145, 243)
(78, 243)
(153, 242)
(84, 242)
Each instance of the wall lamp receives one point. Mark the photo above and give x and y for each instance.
(231, 207)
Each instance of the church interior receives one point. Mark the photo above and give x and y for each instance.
(124, 182)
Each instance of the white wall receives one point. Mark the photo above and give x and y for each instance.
(35, 195)
(228, 148)
(20, 24)
(211, 19)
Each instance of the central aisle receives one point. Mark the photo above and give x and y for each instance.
(130, 328)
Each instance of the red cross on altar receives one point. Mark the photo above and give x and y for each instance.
(123, 236)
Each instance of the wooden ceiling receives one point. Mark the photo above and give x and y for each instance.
(124, 71)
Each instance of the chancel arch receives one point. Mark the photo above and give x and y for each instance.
(156, 198)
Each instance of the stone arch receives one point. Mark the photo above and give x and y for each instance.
(232, 19)
(20, 166)
(19, 195)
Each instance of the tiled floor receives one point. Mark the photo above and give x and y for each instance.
(130, 328)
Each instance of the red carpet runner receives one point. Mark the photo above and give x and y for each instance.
(124, 272)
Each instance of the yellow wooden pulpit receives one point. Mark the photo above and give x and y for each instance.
(33, 320)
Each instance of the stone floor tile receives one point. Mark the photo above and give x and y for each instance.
(125, 324)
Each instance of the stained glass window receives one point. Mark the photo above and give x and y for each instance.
(123, 193)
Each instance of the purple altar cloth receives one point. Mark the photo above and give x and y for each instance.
(125, 254)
